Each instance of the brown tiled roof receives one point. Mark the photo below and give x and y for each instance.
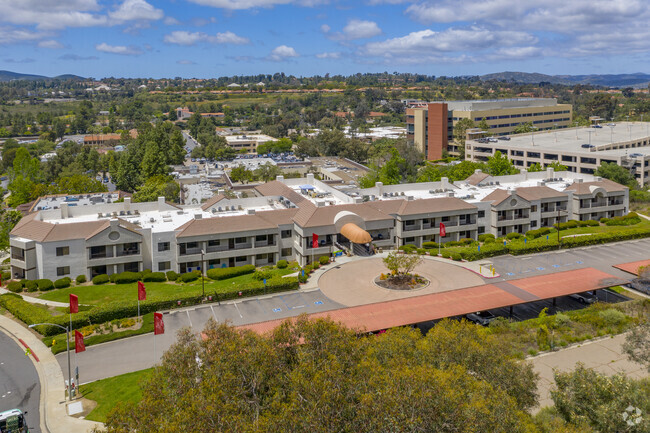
(387, 206)
(206, 226)
(278, 216)
(441, 204)
(85, 230)
(212, 201)
(323, 216)
(538, 192)
(498, 195)
(477, 178)
(606, 184)
(31, 228)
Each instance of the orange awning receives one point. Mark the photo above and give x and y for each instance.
(356, 234)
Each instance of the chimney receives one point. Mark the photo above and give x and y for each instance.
(550, 173)
(512, 192)
(250, 211)
(380, 188)
(598, 179)
(221, 191)
(198, 216)
(127, 203)
(444, 182)
(64, 211)
(281, 178)
(478, 171)
(310, 178)
(524, 172)
(161, 203)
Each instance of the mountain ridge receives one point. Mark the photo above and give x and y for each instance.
(10, 75)
(637, 79)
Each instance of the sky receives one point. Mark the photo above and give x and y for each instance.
(214, 38)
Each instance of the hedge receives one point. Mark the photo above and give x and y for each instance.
(44, 284)
(190, 276)
(485, 236)
(282, 264)
(30, 313)
(62, 283)
(627, 220)
(100, 279)
(225, 273)
(172, 276)
(127, 277)
(261, 275)
(513, 235)
(80, 279)
(408, 249)
(157, 277)
(430, 245)
(31, 286)
(534, 234)
(15, 286)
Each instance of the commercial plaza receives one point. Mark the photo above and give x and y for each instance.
(82, 236)
(582, 150)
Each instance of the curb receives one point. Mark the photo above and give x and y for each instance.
(31, 352)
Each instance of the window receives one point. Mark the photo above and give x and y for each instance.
(240, 259)
(481, 214)
(63, 270)
(191, 245)
(164, 266)
(240, 240)
(260, 238)
(286, 234)
(533, 224)
(481, 230)
(62, 251)
(445, 219)
(163, 246)
(409, 241)
(286, 252)
(533, 208)
(214, 243)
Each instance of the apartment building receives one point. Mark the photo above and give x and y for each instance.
(431, 127)
(248, 143)
(581, 150)
(281, 220)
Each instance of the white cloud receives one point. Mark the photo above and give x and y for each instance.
(185, 62)
(10, 35)
(335, 55)
(25, 60)
(325, 28)
(252, 4)
(118, 49)
(282, 53)
(75, 57)
(360, 29)
(50, 43)
(182, 37)
(171, 21)
(136, 10)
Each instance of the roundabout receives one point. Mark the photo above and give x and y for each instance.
(354, 283)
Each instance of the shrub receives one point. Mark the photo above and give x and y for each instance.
(612, 317)
(302, 278)
(324, 260)
(430, 245)
(489, 241)
(261, 275)
(112, 277)
(31, 286)
(100, 279)
(128, 277)
(421, 251)
(456, 257)
(190, 276)
(562, 320)
(172, 276)
(408, 249)
(80, 279)
(225, 273)
(627, 220)
(315, 265)
(158, 277)
(15, 286)
(6, 275)
(44, 284)
(592, 223)
(282, 264)
(513, 235)
(466, 241)
(62, 283)
(445, 254)
(485, 236)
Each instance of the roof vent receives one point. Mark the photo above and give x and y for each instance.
(198, 216)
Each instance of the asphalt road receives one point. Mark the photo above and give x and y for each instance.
(189, 141)
(19, 384)
(137, 353)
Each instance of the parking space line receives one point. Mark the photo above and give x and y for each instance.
(213, 313)
(188, 318)
(235, 304)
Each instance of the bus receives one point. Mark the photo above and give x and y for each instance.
(13, 421)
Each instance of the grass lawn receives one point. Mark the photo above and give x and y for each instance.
(93, 295)
(108, 392)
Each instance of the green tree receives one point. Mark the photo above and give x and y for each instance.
(460, 132)
(77, 184)
(554, 165)
(500, 165)
(176, 154)
(127, 176)
(483, 126)
(23, 177)
(158, 186)
(241, 174)
(524, 128)
(267, 172)
(154, 161)
(616, 173)
(8, 221)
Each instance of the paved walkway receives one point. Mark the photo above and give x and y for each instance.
(603, 355)
(35, 300)
(54, 418)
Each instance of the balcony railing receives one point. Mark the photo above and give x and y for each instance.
(243, 246)
(467, 222)
(410, 228)
(264, 244)
(128, 252)
(190, 251)
(18, 257)
(216, 249)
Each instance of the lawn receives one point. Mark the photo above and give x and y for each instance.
(90, 294)
(108, 392)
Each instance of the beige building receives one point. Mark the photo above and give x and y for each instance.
(248, 143)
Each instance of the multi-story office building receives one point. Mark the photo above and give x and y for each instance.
(279, 223)
(431, 128)
(581, 150)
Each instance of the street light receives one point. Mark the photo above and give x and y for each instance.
(555, 131)
(576, 125)
(202, 274)
(533, 134)
(67, 342)
(611, 128)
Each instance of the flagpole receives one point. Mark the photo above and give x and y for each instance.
(138, 308)
(154, 346)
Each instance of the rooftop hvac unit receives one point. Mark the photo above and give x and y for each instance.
(402, 193)
(151, 220)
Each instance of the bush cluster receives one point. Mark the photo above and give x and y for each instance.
(172, 276)
(80, 279)
(44, 284)
(627, 220)
(225, 273)
(534, 234)
(31, 286)
(190, 276)
(430, 245)
(262, 274)
(485, 236)
(157, 277)
(408, 249)
(324, 260)
(100, 279)
(282, 264)
(15, 286)
(62, 283)
(513, 235)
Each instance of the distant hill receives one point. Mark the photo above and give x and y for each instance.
(9, 76)
(638, 79)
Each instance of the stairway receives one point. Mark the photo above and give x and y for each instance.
(360, 250)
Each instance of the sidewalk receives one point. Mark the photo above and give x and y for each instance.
(54, 418)
(604, 355)
(34, 300)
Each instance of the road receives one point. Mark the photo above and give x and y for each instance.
(189, 141)
(19, 384)
(123, 356)
(137, 353)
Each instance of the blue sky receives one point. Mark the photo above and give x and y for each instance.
(211, 38)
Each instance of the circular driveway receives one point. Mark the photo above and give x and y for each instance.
(352, 283)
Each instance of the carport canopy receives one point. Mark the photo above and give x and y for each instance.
(356, 234)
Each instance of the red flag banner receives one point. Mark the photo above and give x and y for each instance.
(142, 292)
(79, 345)
(314, 240)
(443, 232)
(158, 324)
(74, 303)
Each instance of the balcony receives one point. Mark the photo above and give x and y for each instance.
(242, 246)
(411, 227)
(264, 243)
(100, 253)
(20, 257)
(214, 249)
(128, 252)
(467, 222)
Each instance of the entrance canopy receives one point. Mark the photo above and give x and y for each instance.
(356, 234)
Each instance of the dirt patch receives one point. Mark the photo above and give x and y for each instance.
(410, 282)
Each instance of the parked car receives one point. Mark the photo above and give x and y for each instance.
(482, 318)
(503, 137)
(597, 126)
(585, 297)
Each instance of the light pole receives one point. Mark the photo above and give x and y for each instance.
(589, 131)
(67, 342)
(533, 134)
(555, 131)
(611, 128)
(576, 126)
(202, 274)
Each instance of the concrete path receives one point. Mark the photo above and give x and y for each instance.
(604, 355)
(52, 406)
(33, 300)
